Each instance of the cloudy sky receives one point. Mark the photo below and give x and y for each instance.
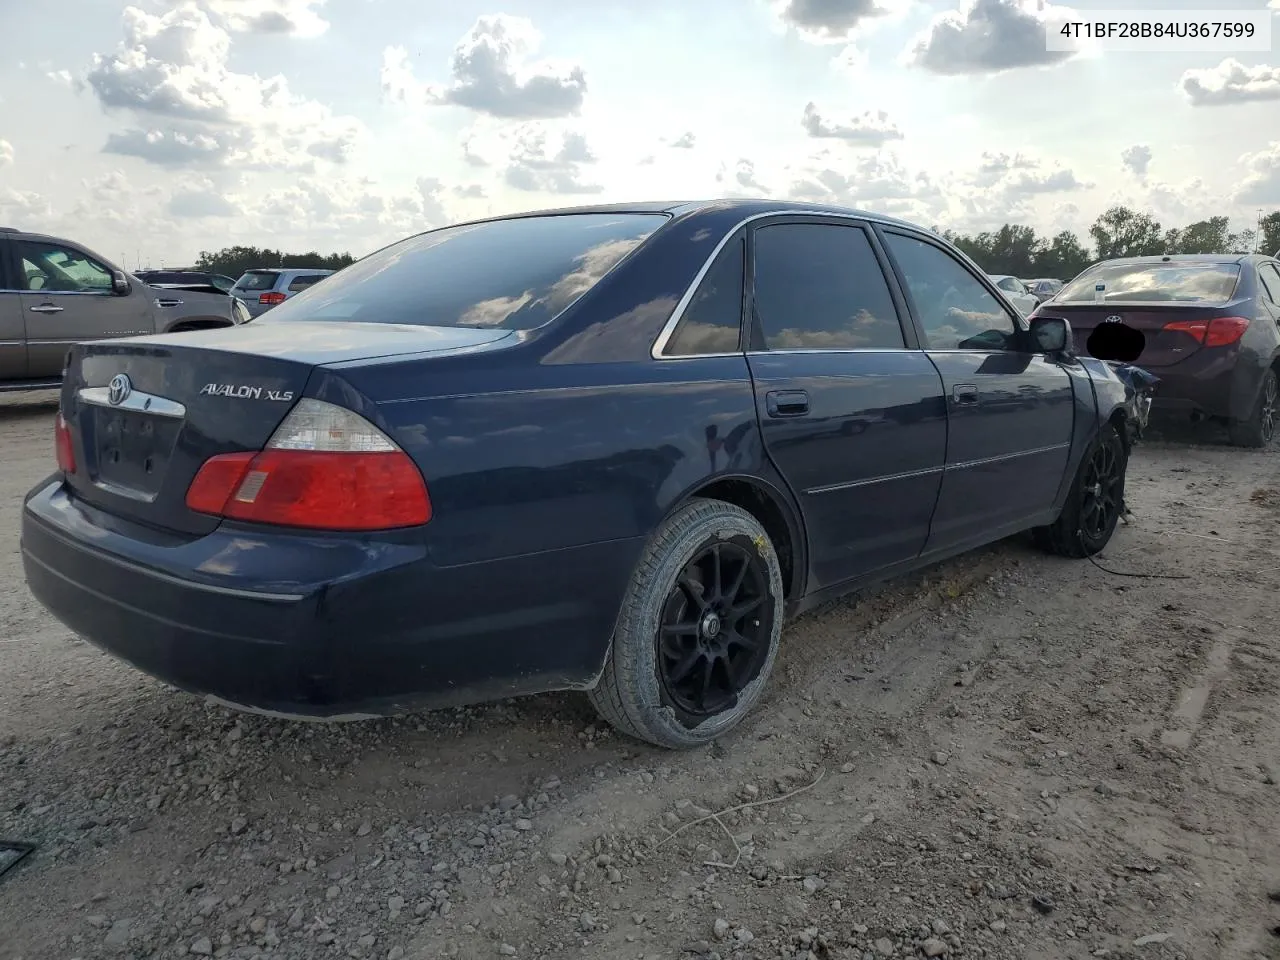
(163, 127)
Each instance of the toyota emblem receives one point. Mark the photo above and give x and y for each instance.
(118, 389)
(1114, 318)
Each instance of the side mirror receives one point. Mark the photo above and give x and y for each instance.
(120, 283)
(1052, 335)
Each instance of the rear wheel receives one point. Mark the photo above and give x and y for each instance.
(699, 628)
(1260, 429)
(1094, 503)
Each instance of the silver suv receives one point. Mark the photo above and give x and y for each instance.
(55, 293)
(265, 288)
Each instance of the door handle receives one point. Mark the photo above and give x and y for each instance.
(786, 403)
(966, 393)
(46, 308)
(168, 303)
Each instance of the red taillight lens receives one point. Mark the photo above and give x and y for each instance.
(326, 468)
(271, 299)
(1218, 332)
(66, 451)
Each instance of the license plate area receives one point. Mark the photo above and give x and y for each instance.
(133, 450)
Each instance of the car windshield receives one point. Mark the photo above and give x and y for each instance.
(1186, 282)
(258, 280)
(513, 274)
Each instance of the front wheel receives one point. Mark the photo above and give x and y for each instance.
(1260, 428)
(1094, 503)
(699, 629)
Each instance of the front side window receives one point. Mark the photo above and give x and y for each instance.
(713, 320)
(52, 268)
(956, 311)
(1270, 278)
(820, 286)
(511, 274)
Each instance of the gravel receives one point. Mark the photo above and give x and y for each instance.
(168, 827)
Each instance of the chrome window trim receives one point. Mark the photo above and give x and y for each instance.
(136, 402)
(62, 293)
(664, 335)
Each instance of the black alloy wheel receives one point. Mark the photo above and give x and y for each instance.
(1100, 500)
(715, 628)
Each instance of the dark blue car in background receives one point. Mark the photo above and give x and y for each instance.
(603, 448)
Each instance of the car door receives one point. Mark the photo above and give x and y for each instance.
(1269, 277)
(851, 411)
(13, 337)
(67, 298)
(1011, 410)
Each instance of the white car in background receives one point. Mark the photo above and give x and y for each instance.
(1016, 292)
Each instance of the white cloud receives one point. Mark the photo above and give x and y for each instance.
(299, 17)
(200, 202)
(171, 74)
(1136, 159)
(536, 164)
(685, 141)
(1262, 183)
(6, 153)
(868, 129)
(873, 179)
(493, 73)
(1230, 82)
(741, 179)
(836, 21)
(988, 36)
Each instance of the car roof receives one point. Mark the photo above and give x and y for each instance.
(746, 206)
(1185, 258)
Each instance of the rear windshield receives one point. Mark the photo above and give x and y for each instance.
(258, 280)
(1156, 282)
(513, 274)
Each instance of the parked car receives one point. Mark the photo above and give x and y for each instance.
(266, 288)
(575, 449)
(54, 293)
(1016, 292)
(1210, 324)
(187, 280)
(1044, 289)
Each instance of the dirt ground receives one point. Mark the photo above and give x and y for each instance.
(1010, 756)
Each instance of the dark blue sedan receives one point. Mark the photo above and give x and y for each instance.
(604, 449)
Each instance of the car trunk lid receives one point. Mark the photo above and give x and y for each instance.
(145, 413)
(1165, 346)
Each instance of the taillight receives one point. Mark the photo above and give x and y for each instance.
(1218, 332)
(271, 299)
(66, 451)
(325, 468)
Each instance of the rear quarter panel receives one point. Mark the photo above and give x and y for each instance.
(560, 456)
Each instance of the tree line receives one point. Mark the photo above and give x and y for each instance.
(1119, 232)
(1013, 249)
(234, 261)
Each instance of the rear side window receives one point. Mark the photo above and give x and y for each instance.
(820, 286)
(712, 322)
(258, 280)
(1186, 282)
(513, 274)
(307, 280)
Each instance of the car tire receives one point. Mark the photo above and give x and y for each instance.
(1259, 430)
(679, 634)
(1095, 501)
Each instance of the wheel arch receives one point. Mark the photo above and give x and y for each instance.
(774, 511)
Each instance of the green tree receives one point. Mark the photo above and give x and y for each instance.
(1063, 258)
(1203, 236)
(1121, 232)
(1269, 239)
(234, 261)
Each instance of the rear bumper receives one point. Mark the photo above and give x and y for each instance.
(1221, 388)
(322, 627)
